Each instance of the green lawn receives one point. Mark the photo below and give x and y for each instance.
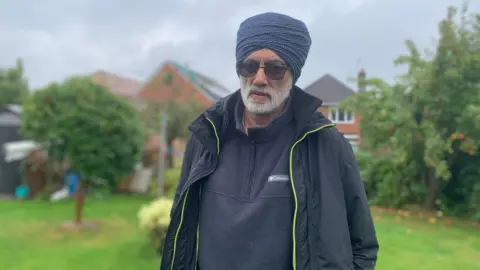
(408, 242)
(31, 238)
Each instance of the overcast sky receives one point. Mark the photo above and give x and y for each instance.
(132, 38)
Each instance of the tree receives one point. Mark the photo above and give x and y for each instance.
(80, 121)
(415, 131)
(180, 112)
(13, 85)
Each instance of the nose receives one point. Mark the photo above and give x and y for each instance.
(260, 78)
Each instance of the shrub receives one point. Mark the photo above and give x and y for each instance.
(154, 218)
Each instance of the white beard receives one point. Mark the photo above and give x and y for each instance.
(277, 97)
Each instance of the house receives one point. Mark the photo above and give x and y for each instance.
(173, 80)
(119, 85)
(332, 91)
(160, 86)
(172, 77)
(169, 79)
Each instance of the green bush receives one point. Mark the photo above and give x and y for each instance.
(81, 121)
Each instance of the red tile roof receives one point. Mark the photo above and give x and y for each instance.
(117, 84)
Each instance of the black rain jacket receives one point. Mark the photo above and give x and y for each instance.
(332, 224)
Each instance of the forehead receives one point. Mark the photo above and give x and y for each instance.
(265, 55)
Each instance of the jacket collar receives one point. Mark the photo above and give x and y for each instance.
(222, 113)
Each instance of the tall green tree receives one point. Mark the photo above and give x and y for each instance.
(80, 121)
(13, 84)
(414, 131)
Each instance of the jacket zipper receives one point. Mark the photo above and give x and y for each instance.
(184, 200)
(248, 189)
(198, 222)
(294, 228)
(294, 258)
(183, 207)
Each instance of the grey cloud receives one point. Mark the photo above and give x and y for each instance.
(41, 15)
(59, 38)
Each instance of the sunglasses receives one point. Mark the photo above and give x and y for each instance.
(274, 69)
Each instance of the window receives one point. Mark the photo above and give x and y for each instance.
(337, 115)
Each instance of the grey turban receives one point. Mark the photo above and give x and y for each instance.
(286, 36)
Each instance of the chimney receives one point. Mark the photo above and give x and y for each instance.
(361, 80)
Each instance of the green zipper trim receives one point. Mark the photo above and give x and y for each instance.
(216, 135)
(196, 248)
(198, 224)
(294, 258)
(178, 228)
(183, 211)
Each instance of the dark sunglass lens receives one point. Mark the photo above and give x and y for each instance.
(275, 71)
(248, 68)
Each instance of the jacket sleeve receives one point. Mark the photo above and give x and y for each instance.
(362, 231)
(185, 171)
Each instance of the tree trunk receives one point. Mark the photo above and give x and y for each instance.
(80, 195)
(432, 188)
(169, 157)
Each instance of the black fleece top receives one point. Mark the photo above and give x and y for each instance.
(246, 209)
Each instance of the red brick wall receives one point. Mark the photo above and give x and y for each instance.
(157, 90)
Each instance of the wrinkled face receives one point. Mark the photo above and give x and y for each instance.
(265, 82)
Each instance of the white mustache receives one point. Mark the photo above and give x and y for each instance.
(262, 90)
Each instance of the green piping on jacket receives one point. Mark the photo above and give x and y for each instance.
(198, 224)
(183, 211)
(294, 258)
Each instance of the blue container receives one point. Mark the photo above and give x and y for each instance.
(72, 180)
(21, 191)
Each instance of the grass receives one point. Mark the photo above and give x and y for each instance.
(426, 243)
(31, 239)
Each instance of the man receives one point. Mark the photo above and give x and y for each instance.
(267, 181)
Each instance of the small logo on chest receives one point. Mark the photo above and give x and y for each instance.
(278, 178)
